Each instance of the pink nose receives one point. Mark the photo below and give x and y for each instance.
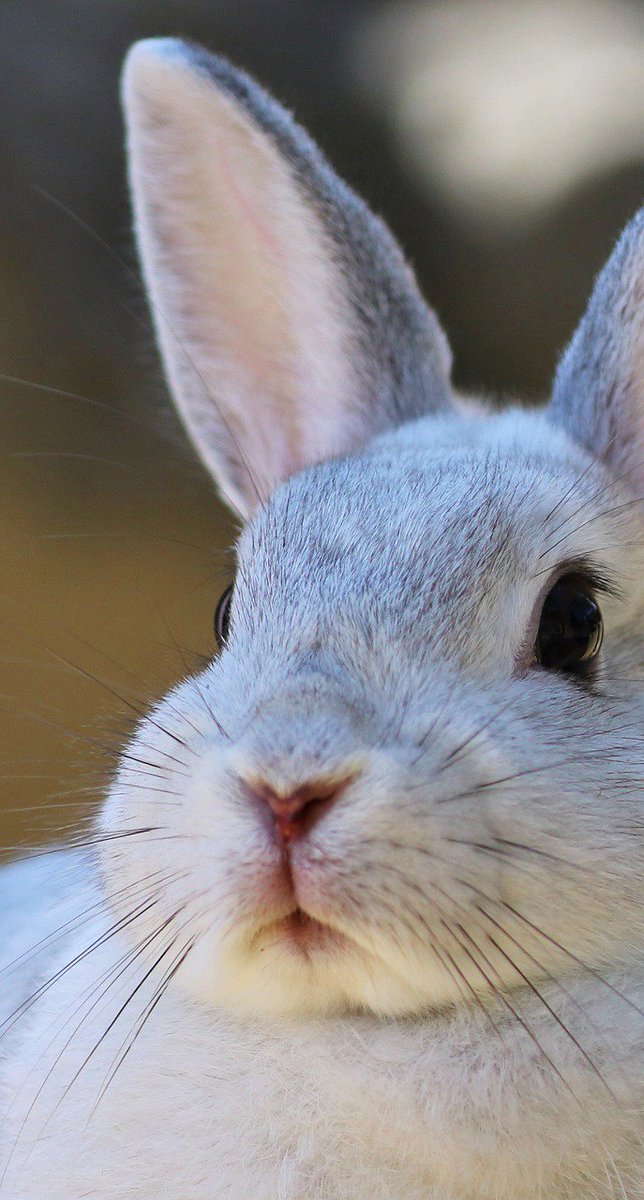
(296, 813)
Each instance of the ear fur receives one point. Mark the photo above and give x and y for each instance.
(290, 326)
(598, 394)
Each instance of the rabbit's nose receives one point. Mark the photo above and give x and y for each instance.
(296, 812)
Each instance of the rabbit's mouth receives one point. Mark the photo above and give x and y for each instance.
(302, 932)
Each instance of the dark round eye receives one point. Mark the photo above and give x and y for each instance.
(571, 627)
(222, 616)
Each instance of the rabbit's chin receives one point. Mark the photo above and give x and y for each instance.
(297, 966)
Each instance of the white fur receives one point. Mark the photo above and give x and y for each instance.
(471, 1027)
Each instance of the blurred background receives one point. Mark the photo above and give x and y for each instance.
(503, 140)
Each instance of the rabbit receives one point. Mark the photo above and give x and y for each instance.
(362, 914)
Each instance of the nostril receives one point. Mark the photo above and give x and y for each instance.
(297, 811)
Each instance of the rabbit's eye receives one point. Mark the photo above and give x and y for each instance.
(222, 616)
(571, 627)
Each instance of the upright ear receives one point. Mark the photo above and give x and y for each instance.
(290, 326)
(598, 392)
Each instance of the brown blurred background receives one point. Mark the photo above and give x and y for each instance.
(502, 140)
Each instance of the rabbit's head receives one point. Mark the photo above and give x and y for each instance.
(414, 772)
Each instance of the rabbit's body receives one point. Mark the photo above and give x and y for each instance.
(364, 920)
(422, 1109)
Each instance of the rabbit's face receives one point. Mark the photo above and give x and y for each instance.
(413, 773)
(380, 660)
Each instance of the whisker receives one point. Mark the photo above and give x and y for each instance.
(115, 928)
(158, 996)
(87, 915)
(596, 495)
(133, 276)
(161, 928)
(97, 839)
(501, 851)
(135, 708)
(518, 1016)
(607, 512)
(573, 488)
(456, 754)
(481, 787)
(540, 966)
(48, 390)
(195, 681)
(70, 454)
(460, 973)
(534, 989)
(116, 970)
(476, 997)
(578, 961)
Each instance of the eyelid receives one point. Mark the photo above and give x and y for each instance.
(600, 579)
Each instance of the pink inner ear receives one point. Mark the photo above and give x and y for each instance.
(278, 321)
(263, 345)
(247, 208)
(259, 335)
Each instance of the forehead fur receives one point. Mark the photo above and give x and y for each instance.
(435, 532)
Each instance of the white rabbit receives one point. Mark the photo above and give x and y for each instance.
(363, 919)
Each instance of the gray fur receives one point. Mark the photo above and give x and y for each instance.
(402, 349)
(467, 1020)
(598, 387)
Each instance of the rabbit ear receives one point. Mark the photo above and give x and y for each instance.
(599, 387)
(290, 326)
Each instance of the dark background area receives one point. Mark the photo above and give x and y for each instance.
(504, 143)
